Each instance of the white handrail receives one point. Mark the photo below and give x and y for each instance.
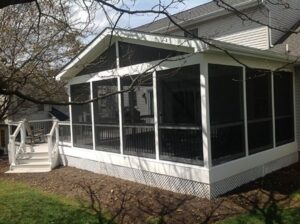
(39, 121)
(53, 146)
(66, 123)
(13, 153)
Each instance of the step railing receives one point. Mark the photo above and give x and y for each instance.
(23, 132)
(53, 141)
(17, 146)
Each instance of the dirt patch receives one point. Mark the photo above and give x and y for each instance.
(136, 202)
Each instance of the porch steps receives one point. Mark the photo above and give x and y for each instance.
(32, 162)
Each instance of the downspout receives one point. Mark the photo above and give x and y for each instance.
(269, 24)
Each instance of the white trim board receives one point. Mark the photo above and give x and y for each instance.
(184, 171)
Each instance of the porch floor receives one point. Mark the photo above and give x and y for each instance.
(41, 147)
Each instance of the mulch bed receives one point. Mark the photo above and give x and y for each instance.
(135, 203)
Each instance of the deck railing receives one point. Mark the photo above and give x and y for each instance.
(41, 125)
(64, 131)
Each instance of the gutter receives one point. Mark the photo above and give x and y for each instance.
(248, 51)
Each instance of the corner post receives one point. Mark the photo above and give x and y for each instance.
(155, 106)
(206, 129)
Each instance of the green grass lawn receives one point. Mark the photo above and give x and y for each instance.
(287, 216)
(273, 214)
(20, 203)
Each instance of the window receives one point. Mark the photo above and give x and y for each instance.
(259, 110)
(106, 116)
(106, 61)
(284, 107)
(179, 109)
(194, 32)
(138, 117)
(131, 54)
(226, 112)
(81, 116)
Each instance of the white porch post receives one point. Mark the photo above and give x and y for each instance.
(155, 107)
(120, 116)
(92, 116)
(206, 133)
(117, 55)
(245, 110)
(23, 135)
(71, 118)
(273, 110)
(120, 101)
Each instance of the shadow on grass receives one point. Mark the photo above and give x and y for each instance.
(273, 199)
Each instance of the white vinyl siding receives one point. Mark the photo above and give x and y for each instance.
(257, 38)
(283, 18)
(230, 28)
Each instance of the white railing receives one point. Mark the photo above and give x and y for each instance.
(53, 140)
(15, 147)
(41, 125)
(64, 132)
(32, 132)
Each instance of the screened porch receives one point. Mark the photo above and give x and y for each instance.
(193, 109)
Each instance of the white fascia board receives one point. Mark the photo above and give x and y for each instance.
(177, 42)
(79, 57)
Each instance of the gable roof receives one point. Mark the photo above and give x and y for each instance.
(195, 15)
(109, 36)
(100, 44)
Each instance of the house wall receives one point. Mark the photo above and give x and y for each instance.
(230, 28)
(283, 18)
(31, 111)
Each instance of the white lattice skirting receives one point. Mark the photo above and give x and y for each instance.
(176, 184)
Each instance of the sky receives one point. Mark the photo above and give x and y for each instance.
(129, 22)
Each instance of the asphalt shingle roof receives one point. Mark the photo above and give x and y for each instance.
(293, 41)
(187, 15)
